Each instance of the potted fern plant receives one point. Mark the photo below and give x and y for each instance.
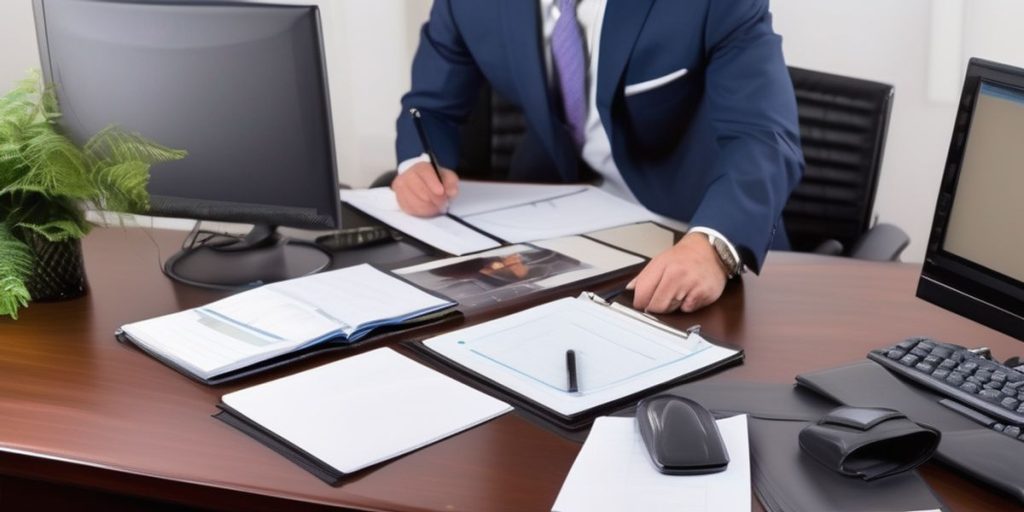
(47, 183)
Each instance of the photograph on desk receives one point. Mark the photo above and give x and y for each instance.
(515, 271)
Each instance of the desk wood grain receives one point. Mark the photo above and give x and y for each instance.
(80, 409)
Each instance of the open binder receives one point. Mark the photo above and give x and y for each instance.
(282, 322)
(622, 355)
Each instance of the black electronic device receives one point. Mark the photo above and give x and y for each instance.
(681, 436)
(983, 390)
(241, 86)
(974, 265)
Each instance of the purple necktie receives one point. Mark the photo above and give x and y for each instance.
(570, 66)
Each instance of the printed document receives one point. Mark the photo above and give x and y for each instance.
(512, 212)
(614, 472)
(441, 232)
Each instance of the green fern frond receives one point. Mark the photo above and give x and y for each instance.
(125, 186)
(16, 262)
(116, 145)
(57, 230)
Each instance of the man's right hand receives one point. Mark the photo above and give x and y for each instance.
(419, 192)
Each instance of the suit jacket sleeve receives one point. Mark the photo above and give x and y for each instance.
(753, 111)
(445, 85)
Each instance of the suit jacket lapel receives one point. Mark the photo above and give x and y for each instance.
(623, 20)
(522, 32)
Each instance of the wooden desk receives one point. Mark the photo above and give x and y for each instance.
(77, 409)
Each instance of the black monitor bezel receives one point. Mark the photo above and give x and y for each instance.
(951, 281)
(277, 215)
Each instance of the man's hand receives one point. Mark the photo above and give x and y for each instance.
(420, 193)
(686, 277)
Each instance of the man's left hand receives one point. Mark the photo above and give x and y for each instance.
(686, 277)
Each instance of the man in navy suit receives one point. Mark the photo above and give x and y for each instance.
(683, 106)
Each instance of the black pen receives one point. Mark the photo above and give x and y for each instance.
(570, 365)
(425, 142)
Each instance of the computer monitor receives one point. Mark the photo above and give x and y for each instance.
(974, 265)
(240, 86)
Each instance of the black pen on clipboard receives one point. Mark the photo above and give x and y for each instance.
(570, 367)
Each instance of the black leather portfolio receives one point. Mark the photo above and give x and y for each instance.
(966, 446)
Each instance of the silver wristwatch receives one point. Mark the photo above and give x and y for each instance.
(732, 265)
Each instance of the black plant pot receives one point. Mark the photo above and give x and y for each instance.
(59, 273)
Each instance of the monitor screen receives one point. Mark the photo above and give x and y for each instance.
(240, 86)
(975, 258)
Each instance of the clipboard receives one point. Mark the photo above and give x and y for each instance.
(521, 387)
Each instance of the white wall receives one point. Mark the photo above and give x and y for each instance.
(18, 52)
(892, 41)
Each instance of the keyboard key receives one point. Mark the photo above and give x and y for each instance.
(909, 360)
(895, 354)
(933, 360)
(998, 376)
(940, 374)
(924, 367)
(993, 385)
(926, 345)
(1020, 408)
(949, 364)
(968, 367)
(955, 379)
(1015, 377)
(970, 387)
(990, 395)
(942, 352)
(983, 375)
(1019, 384)
(908, 344)
(998, 427)
(1010, 403)
(920, 352)
(1012, 431)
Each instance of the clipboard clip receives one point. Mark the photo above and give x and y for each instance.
(639, 315)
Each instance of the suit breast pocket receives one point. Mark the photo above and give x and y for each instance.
(658, 116)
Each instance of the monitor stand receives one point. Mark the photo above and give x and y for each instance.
(261, 256)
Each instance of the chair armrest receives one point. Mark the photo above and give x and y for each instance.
(830, 247)
(883, 242)
(384, 180)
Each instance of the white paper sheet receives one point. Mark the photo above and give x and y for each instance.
(477, 197)
(614, 472)
(365, 409)
(590, 209)
(441, 232)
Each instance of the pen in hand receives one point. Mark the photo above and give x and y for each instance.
(570, 366)
(417, 121)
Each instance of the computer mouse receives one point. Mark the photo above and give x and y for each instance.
(681, 436)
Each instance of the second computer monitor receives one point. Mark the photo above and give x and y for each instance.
(974, 264)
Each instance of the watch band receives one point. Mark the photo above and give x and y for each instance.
(725, 250)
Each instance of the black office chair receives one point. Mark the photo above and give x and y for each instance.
(843, 124)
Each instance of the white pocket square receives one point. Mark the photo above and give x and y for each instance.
(647, 85)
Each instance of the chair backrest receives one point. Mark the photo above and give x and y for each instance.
(843, 125)
(490, 137)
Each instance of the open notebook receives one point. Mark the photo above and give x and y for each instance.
(257, 325)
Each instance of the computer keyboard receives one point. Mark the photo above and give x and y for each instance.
(988, 392)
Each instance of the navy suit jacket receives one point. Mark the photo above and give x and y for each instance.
(718, 147)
